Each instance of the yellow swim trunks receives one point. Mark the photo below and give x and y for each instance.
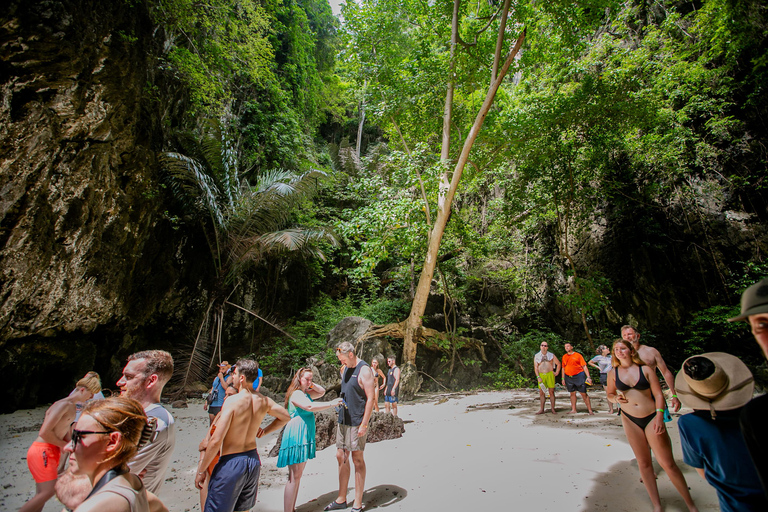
(548, 379)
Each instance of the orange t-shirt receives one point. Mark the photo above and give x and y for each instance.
(573, 364)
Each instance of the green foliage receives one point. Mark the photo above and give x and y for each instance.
(507, 378)
(311, 331)
(243, 223)
(710, 331)
(594, 297)
(218, 46)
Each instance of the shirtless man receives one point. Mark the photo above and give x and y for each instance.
(235, 479)
(652, 358)
(546, 366)
(44, 454)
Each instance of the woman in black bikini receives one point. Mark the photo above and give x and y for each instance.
(636, 387)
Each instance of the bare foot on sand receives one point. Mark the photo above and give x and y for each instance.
(540, 412)
(572, 411)
(591, 413)
(554, 411)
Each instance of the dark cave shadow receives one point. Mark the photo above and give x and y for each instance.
(379, 496)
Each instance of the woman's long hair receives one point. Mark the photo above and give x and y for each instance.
(124, 415)
(295, 384)
(633, 353)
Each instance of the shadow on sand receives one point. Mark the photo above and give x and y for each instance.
(380, 496)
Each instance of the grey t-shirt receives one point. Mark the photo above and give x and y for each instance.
(156, 456)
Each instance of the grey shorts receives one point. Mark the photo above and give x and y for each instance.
(347, 438)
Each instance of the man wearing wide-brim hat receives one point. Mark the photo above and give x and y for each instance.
(754, 416)
(716, 386)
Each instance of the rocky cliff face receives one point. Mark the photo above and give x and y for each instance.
(86, 253)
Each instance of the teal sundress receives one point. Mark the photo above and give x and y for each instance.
(298, 444)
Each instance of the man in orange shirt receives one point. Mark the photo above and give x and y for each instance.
(576, 377)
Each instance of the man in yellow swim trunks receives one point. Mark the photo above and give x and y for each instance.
(546, 366)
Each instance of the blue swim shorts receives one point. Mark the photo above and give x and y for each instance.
(234, 482)
(390, 399)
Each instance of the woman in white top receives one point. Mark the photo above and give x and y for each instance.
(104, 439)
(602, 362)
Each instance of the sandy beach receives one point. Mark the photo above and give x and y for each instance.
(462, 451)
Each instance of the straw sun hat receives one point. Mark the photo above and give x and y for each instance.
(728, 383)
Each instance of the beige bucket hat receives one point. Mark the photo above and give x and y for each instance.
(728, 387)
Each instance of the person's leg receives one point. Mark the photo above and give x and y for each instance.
(394, 409)
(610, 404)
(585, 397)
(542, 400)
(552, 399)
(210, 419)
(642, 451)
(662, 449)
(292, 487)
(359, 461)
(204, 490)
(376, 400)
(386, 404)
(342, 456)
(45, 491)
(573, 403)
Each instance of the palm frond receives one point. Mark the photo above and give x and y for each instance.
(191, 183)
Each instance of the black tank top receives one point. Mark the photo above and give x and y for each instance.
(391, 382)
(642, 382)
(354, 396)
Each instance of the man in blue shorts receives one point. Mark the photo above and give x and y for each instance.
(235, 478)
(392, 393)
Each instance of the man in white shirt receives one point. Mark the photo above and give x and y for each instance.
(143, 379)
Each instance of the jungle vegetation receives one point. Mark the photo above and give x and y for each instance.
(638, 114)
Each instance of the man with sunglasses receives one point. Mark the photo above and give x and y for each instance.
(44, 454)
(546, 366)
(143, 379)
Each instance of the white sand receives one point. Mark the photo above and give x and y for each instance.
(459, 452)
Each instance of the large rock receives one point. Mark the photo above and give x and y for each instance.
(410, 381)
(351, 329)
(382, 426)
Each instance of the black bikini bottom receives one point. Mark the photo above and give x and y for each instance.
(640, 422)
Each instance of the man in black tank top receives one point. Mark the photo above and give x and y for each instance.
(352, 427)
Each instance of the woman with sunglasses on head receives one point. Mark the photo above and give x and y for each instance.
(636, 387)
(298, 443)
(105, 437)
(377, 373)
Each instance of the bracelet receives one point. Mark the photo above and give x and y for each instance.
(201, 472)
(674, 396)
(659, 410)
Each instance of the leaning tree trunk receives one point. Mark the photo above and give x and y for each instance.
(419, 304)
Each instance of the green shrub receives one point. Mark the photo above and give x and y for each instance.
(507, 378)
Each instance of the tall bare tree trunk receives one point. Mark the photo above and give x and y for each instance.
(414, 323)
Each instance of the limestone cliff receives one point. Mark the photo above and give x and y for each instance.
(87, 255)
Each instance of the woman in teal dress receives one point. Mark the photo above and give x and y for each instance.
(298, 443)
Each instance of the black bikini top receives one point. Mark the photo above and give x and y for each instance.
(642, 382)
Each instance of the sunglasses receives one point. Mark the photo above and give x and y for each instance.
(77, 434)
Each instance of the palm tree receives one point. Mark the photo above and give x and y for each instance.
(243, 223)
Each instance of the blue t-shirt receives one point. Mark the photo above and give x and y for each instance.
(719, 448)
(258, 379)
(219, 390)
